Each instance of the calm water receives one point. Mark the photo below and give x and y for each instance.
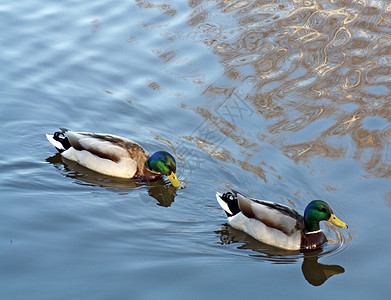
(283, 100)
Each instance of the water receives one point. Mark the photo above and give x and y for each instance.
(282, 100)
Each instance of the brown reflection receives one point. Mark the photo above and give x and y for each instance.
(165, 7)
(159, 190)
(309, 64)
(212, 134)
(314, 272)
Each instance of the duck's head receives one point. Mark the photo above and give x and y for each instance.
(317, 211)
(163, 163)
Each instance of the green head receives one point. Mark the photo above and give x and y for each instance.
(317, 211)
(163, 163)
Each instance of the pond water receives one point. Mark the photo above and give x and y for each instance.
(282, 100)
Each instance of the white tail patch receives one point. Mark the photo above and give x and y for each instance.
(55, 143)
(223, 204)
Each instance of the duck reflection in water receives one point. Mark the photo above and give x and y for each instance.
(314, 272)
(159, 190)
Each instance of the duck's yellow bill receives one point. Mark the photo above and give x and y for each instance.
(174, 180)
(334, 220)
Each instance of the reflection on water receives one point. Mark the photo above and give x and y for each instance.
(314, 272)
(161, 191)
(318, 72)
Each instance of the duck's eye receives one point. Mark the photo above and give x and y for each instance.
(322, 209)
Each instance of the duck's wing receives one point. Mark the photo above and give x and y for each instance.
(272, 214)
(107, 146)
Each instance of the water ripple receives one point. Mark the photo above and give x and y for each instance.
(334, 52)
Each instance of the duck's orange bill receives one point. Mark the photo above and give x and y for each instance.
(334, 220)
(174, 180)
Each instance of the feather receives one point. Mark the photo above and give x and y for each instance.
(124, 168)
(223, 204)
(104, 145)
(55, 143)
(272, 214)
(264, 233)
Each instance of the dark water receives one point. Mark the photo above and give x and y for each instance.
(283, 100)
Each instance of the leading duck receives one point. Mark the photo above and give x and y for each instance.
(276, 224)
(114, 155)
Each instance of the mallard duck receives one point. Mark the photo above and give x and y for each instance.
(276, 224)
(114, 155)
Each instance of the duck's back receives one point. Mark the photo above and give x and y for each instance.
(274, 215)
(107, 154)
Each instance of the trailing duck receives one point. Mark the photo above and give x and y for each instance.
(114, 155)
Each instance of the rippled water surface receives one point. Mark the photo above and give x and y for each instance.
(282, 100)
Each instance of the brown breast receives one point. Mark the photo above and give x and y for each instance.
(310, 241)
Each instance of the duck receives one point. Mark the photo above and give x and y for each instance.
(276, 224)
(114, 155)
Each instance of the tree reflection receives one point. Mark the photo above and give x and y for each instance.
(317, 71)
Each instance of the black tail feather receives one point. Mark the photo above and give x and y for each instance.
(61, 137)
(232, 201)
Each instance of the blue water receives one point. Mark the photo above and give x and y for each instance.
(282, 100)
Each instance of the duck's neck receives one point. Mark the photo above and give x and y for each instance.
(311, 225)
